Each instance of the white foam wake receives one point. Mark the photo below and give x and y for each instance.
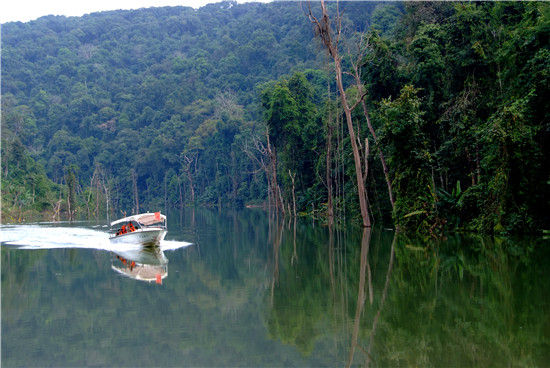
(41, 237)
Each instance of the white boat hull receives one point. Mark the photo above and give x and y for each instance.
(145, 237)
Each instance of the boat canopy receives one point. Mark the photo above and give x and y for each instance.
(146, 219)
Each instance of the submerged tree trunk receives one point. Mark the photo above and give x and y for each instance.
(324, 32)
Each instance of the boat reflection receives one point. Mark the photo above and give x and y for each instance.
(147, 263)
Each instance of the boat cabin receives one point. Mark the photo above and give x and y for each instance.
(139, 222)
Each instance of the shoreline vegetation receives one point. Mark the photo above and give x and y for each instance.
(431, 117)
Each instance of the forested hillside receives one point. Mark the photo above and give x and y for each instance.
(166, 107)
(135, 94)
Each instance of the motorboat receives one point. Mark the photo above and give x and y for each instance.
(145, 229)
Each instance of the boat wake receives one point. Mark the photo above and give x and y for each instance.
(42, 237)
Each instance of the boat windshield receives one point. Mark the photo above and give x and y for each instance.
(125, 227)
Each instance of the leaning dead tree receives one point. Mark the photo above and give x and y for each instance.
(330, 40)
(264, 155)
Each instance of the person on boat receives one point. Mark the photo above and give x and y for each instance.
(123, 229)
(131, 227)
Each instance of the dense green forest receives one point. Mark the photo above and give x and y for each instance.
(121, 111)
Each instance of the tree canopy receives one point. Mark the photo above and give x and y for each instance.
(166, 103)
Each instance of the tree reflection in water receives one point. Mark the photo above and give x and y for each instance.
(465, 300)
(300, 295)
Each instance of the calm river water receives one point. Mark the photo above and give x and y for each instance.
(252, 293)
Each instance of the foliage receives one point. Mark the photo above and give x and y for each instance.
(27, 193)
(403, 137)
(457, 93)
(473, 67)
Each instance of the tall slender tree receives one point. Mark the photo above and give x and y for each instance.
(330, 40)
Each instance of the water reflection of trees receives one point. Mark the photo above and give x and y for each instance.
(379, 299)
(466, 301)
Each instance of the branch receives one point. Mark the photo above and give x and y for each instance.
(358, 101)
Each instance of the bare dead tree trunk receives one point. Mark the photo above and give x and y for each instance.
(136, 195)
(269, 194)
(328, 172)
(292, 177)
(97, 183)
(366, 159)
(58, 205)
(70, 181)
(281, 201)
(294, 252)
(187, 169)
(106, 189)
(96, 198)
(262, 156)
(89, 199)
(289, 213)
(115, 200)
(180, 193)
(324, 32)
(273, 169)
(234, 178)
(56, 209)
(69, 210)
(165, 194)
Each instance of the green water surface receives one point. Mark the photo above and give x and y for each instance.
(252, 292)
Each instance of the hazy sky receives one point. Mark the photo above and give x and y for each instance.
(25, 10)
